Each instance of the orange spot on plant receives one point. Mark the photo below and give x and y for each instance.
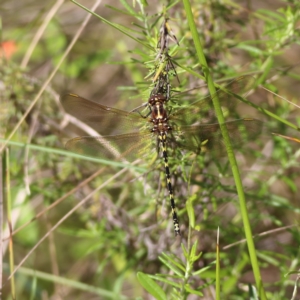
(7, 49)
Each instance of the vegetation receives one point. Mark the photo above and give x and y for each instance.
(93, 227)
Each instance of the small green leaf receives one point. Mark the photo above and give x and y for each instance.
(172, 264)
(253, 293)
(151, 286)
(290, 183)
(192, 291)
(193, 250)
(191, 212)
(198, 227)
(185, 252)
(193, 255)
(250, 49)
(170, 282)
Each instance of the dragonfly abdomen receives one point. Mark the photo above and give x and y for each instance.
(162, 140)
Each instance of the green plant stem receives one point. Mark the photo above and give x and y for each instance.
(74, 155)
(218, 277)
(1, 217)
(43, 276)
(116, 26)
(9, 221)
(231, 156)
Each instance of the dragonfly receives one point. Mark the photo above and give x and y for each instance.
(161, 78)
(165, 64)
(165, 35)
(131, 135)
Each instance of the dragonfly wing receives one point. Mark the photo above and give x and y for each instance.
(208, 137)
(126, 146)
(104, 119)
(202, 111)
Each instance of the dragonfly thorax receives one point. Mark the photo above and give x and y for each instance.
(157, 98)
(158, 112)
(159, 115)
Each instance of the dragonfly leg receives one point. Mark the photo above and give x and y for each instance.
(143, 116)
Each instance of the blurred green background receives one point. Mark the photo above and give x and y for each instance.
(125, 227)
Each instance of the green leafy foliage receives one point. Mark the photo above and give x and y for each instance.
(119, 242)
(151, 286)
